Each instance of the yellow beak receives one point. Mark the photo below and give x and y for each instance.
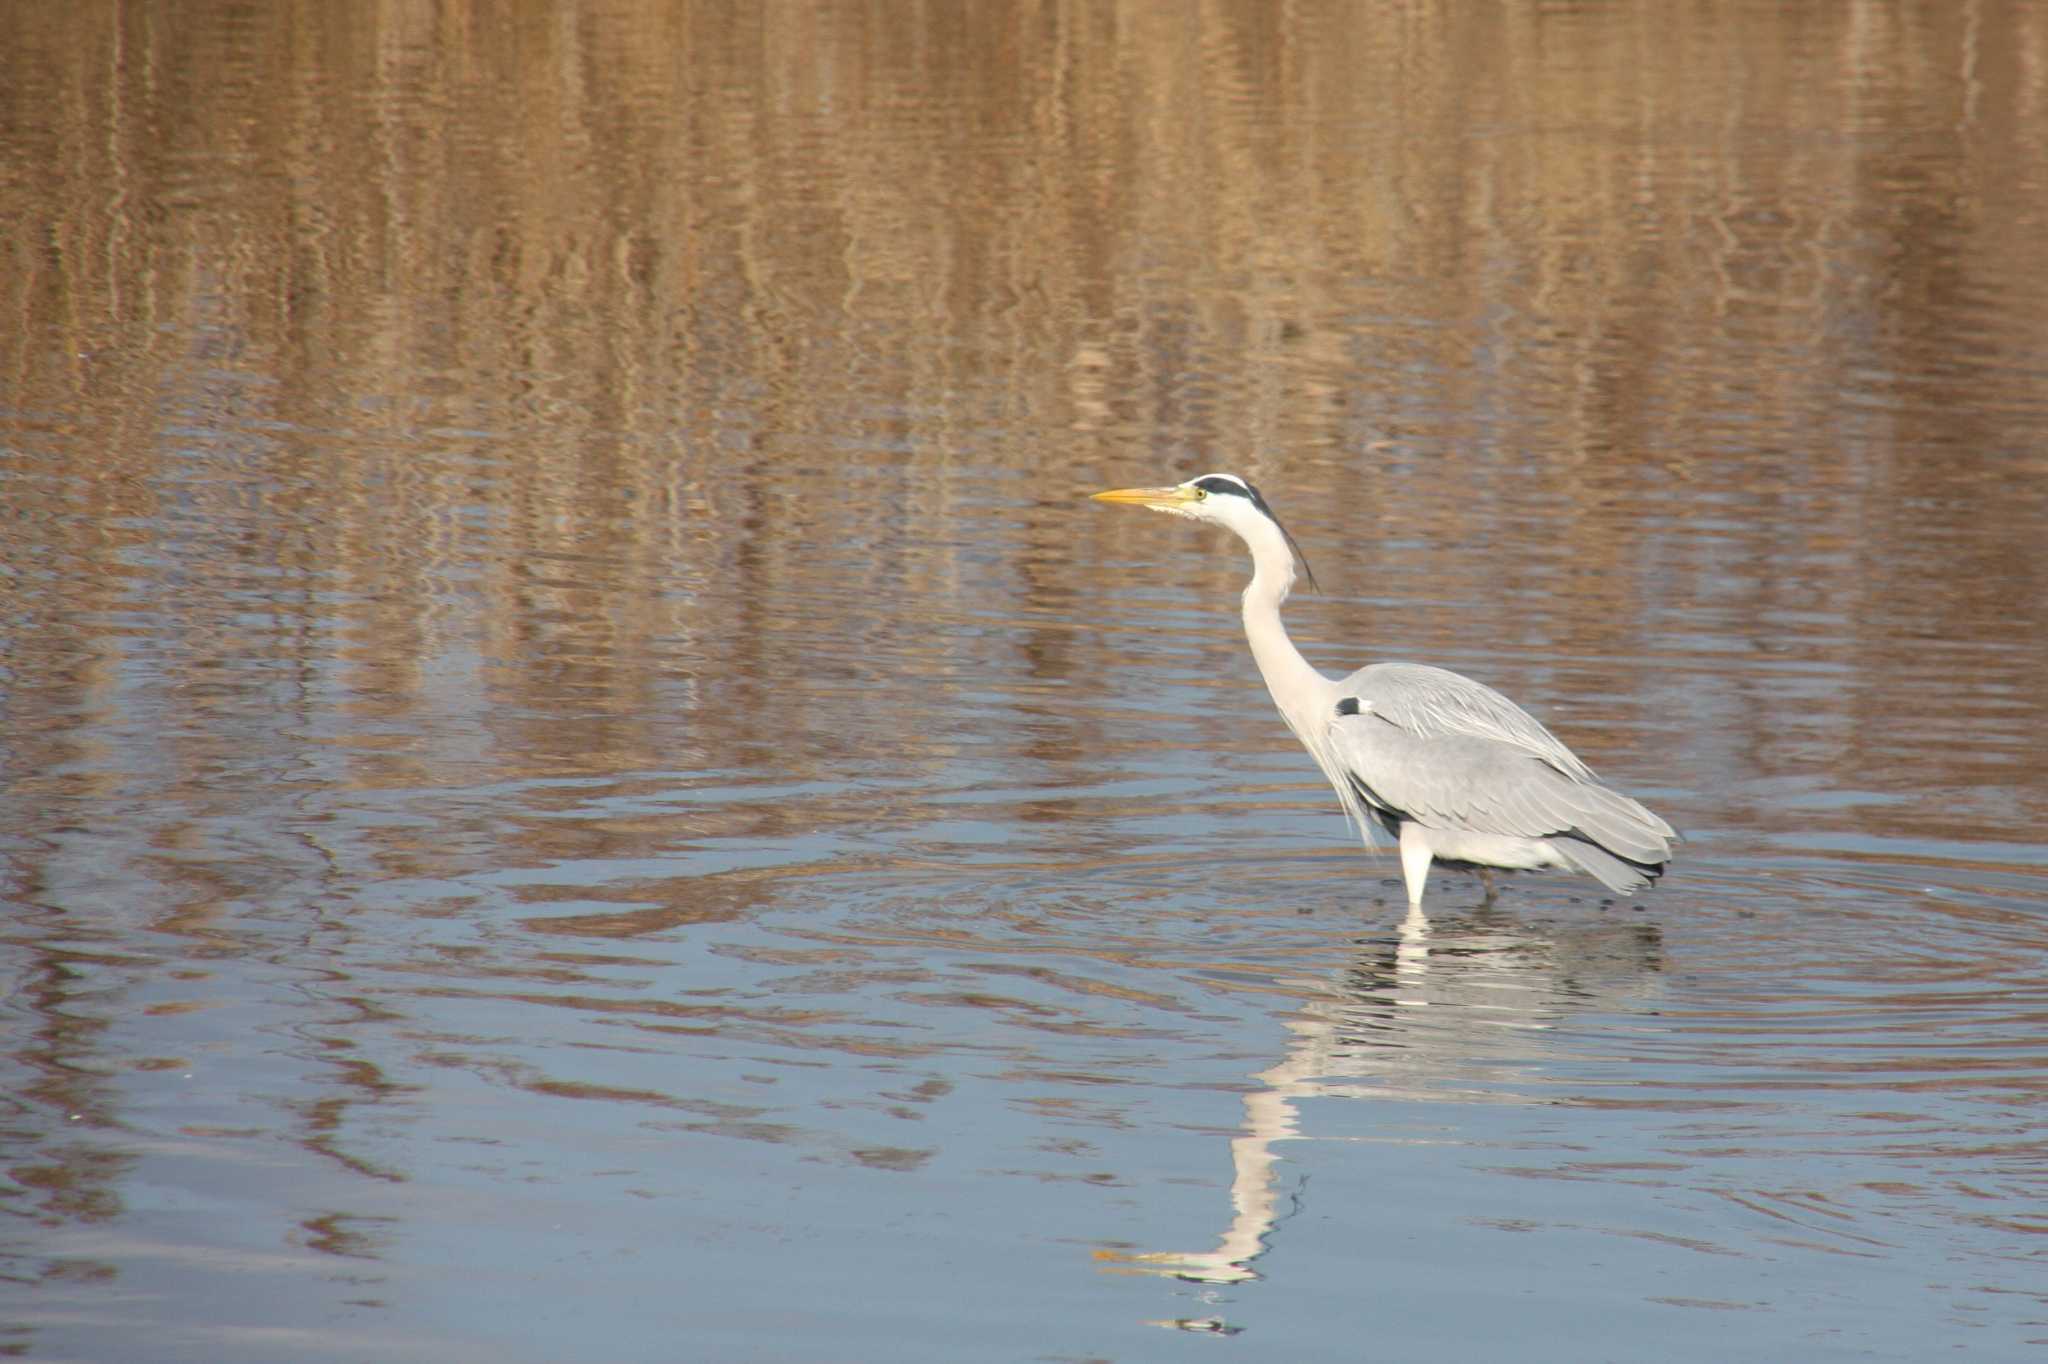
(1161, 499)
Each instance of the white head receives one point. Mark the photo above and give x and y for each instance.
(1223, 499)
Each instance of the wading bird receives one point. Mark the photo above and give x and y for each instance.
(1452, 770)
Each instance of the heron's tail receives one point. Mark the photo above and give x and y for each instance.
(1618, 873)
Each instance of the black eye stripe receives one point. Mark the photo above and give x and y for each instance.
(1219, 483)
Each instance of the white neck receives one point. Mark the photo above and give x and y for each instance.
(1297, 688)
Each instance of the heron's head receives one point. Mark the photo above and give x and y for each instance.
(1223, 499)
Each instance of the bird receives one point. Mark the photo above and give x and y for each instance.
(1448, 768)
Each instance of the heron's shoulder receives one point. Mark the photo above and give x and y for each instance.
(1419, 681)
(1430, 702)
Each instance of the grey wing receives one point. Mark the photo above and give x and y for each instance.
(1436, 702)
(1423, 744)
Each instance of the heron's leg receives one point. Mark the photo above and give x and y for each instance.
(1415, 857)
(1492, 890)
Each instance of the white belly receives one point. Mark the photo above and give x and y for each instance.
(1486, 850)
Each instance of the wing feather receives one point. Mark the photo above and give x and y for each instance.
(1449, 753)
(1428, 701)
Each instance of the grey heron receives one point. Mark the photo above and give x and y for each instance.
(1450, 769)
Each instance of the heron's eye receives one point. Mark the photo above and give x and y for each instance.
(1201, 494)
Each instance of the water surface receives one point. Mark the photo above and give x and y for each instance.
(579, 780)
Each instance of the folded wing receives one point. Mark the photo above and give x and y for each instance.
(1425, 745)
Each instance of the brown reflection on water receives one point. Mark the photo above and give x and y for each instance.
(529, 349)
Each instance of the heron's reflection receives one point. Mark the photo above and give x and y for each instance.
(1451, 1009)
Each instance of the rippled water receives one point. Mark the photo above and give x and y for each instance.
(579, 780)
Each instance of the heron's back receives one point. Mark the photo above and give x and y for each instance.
(1431, 702)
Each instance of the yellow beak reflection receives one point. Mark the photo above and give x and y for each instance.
(1163, 499)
